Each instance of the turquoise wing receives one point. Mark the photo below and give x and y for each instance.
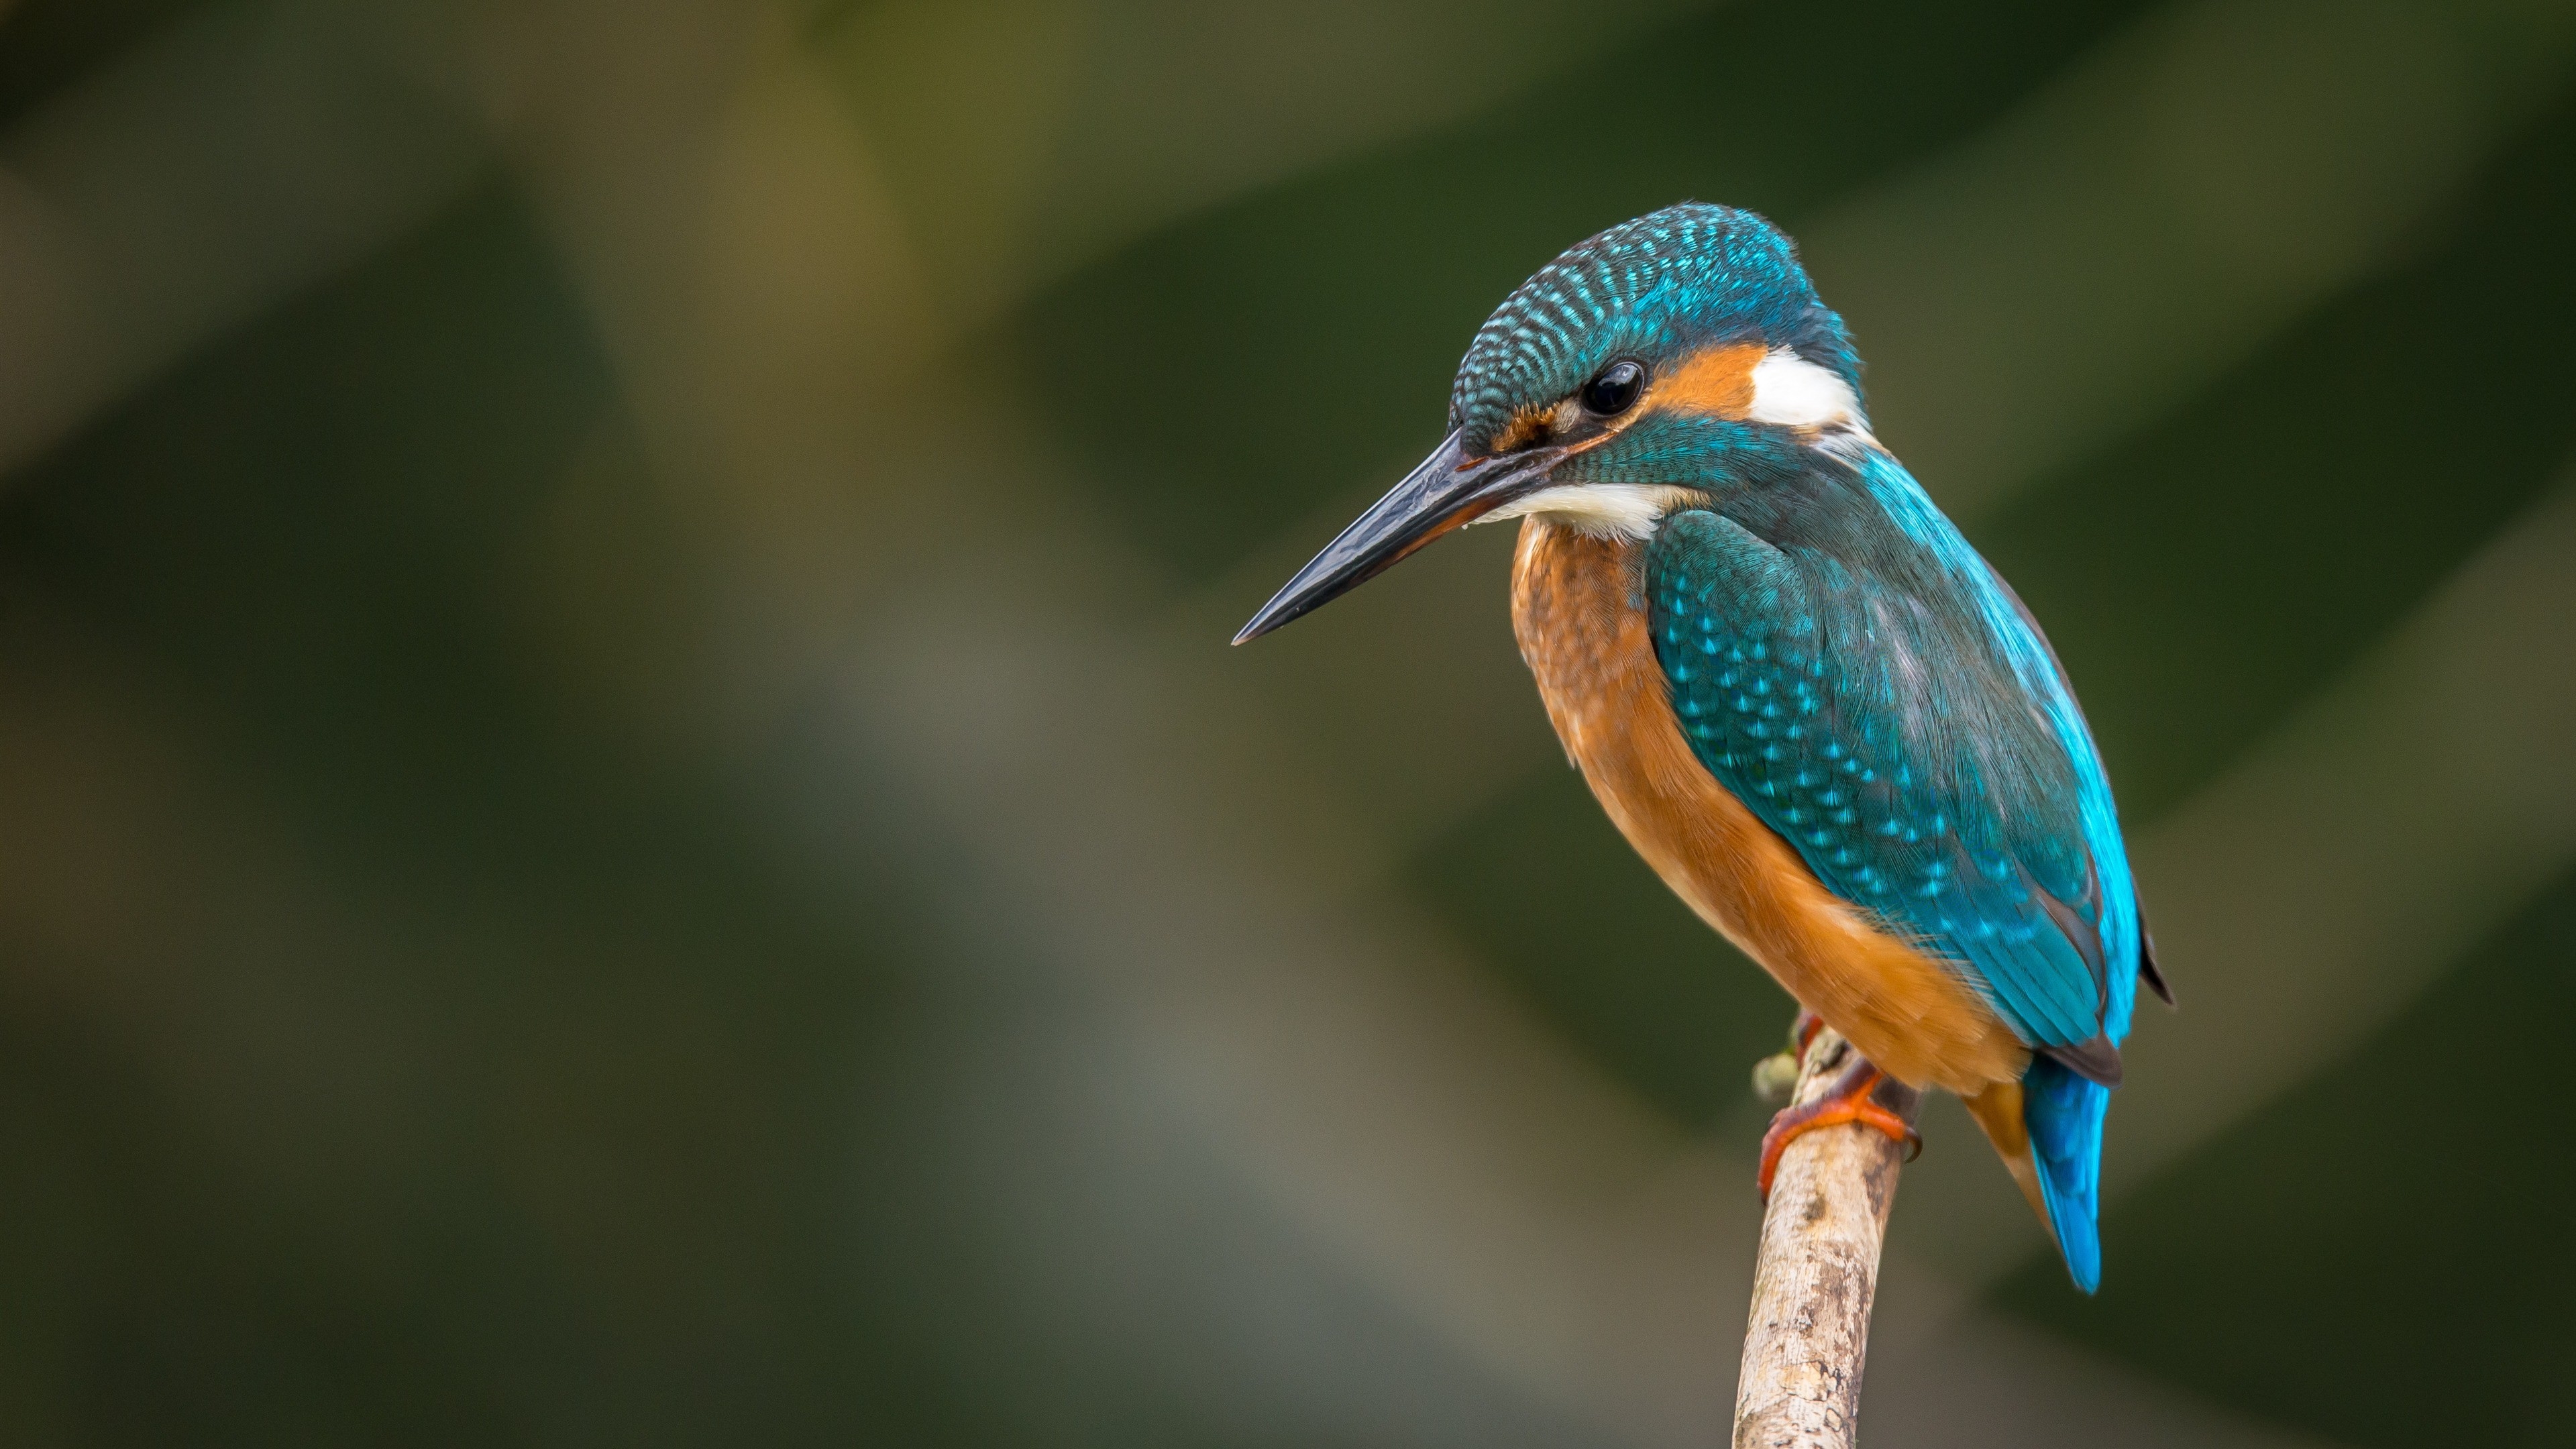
(1907, 731)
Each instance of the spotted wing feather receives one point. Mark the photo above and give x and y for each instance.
(1893, 739)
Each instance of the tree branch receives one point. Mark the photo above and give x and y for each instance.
(1808, 1332)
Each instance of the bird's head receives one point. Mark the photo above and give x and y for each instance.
(1664, 358)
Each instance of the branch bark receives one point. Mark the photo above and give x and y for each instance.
(1813, 1283)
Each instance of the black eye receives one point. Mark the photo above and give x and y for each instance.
(1614, 389)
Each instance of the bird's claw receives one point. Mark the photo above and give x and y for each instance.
(1852, 1098)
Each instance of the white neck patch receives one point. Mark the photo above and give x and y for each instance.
(1791, 392)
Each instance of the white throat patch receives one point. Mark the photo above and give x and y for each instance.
(1603, 510)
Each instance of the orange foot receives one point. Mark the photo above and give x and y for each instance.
(1850, 1099)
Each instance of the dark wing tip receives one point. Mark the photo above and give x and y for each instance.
(2147, 971)
(2096, 1061)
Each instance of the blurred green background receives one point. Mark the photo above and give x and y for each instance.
(624, 818)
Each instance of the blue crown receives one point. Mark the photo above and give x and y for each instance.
(1666, 284)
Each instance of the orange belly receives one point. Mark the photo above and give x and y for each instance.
(1578, 607)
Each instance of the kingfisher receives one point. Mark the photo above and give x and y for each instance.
(1814, 709)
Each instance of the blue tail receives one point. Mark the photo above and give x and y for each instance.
(2064, 1113)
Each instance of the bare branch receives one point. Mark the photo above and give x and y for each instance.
(1808, 1332)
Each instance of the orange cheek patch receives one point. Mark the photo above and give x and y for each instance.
(1715, 382)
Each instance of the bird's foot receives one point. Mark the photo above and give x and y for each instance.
(1852, 1098)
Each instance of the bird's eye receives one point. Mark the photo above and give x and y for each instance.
(1613, 390)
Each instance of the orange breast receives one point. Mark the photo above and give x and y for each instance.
(1578, 607)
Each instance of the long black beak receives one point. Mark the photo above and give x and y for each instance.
(1446, 490)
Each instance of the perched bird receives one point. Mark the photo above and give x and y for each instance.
(1823, 719)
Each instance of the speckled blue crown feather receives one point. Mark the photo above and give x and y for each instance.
(1671, 281)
